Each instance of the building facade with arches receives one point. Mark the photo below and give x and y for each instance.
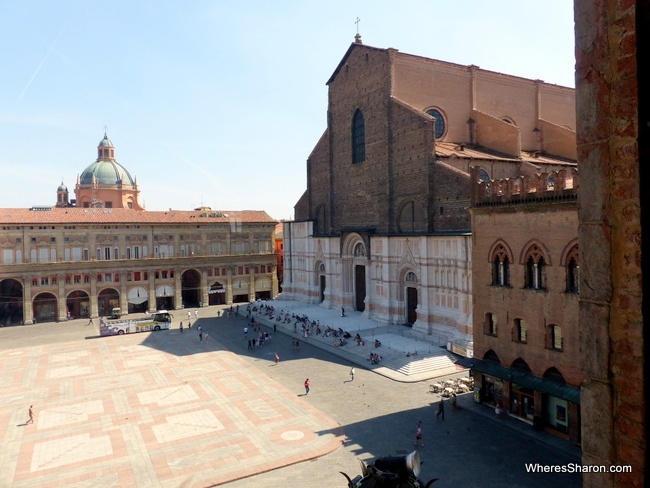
(72, 261)
(525, 273)
(383, 226)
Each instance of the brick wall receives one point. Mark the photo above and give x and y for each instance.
(613, 399)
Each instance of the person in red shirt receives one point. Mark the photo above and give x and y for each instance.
(307, 385)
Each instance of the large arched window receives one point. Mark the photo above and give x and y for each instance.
(535, 278)
(572, 271)
(358, 138)
(440, 122)
(500, 266)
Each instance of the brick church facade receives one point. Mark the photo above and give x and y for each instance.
(383, 226)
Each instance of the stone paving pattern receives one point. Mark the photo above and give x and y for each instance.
(161, 409)
(152, 409)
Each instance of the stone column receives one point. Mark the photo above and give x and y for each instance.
(28, 311)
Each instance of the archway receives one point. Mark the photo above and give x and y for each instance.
(11, 302)
(360, 287)
(411, 305)
(138, 298)
(78, 305)
(217, 294)
(263, 288)
(191, 288)
(107, 300)
(164, 298)
(240, 291)
(45, 308)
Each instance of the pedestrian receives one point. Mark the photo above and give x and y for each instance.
(205, 337)
(307, 385)
(352, 373)
(181, 327)
(218, 313)
(196, 314)
(454, 406)
(200, 336)
(199, 328)
(297, 345)
(31, 415)
(189, 325)
(250, 345)
(277, 358)
(189, 315)
(274, 327)
(418, 435)
(441, 409)
(90, 322)
(342, 312)
(245, 330)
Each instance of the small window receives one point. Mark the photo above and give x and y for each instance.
(490, 326)
(520, 331)
(440, 122)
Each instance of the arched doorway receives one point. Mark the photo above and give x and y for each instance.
(263, 288)
(164, 298)
(217, 294)
(411, 292)
(240, 291)
(107, 300)
(78, 305)
(45, 308)
(138, 299)
(322, 283)
(191, 288)
(11, 302)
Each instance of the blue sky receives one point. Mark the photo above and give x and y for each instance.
(220, 102)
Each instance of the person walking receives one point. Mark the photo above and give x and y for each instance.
(441, 409)
(342, 312)
(189, 325)
(418, 435)
(90, 322)
(189, 315)
(250, 346)
(31, 415)
(454, 401)
(200, 336)
(181, 327)
(307, 386)
(245, 330)
(277, 359)
(196, 314)
(352, 373)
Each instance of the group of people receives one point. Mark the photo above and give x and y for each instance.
(375, 358)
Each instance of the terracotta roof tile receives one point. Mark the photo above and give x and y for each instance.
(74, 215)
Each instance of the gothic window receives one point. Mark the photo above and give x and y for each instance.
(490, 325)
(520, 331)
(500, 267)
(535, 278)
(440, 122)
(358, 138)
(572, 271)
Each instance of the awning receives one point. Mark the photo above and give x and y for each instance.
(164, 291)
(138, 295)
(545, 385)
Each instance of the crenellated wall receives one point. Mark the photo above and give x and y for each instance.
(555, 185)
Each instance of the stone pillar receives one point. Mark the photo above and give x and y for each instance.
(204, 287)
(178, 289)
(94, 306)
(229, 286)
(612, 251)
(63, 306)
(153, 302)
(28, 311)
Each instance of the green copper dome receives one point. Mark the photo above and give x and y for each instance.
(106, 173)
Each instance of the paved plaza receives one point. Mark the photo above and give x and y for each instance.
(163, 409)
